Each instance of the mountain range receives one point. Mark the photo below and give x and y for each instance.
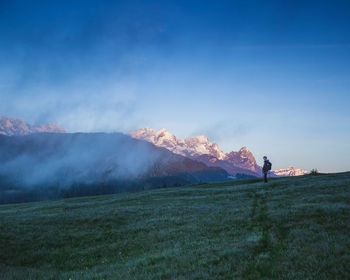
(198, 148)
(201, 149)
(290, 171)
(11, 127)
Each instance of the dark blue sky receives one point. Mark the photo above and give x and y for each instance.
(270, 75)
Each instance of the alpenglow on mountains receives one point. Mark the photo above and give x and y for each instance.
(197, 148)
(201, 149)
(11, 127)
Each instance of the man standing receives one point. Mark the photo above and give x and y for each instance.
(266, 168)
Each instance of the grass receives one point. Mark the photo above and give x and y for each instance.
(290, 228)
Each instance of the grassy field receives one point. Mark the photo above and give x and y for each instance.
(290, 228)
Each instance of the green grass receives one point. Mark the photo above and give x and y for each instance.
(290, 228)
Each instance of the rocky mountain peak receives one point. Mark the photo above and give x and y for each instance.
(200, 148)
(163, 133)
(163, 130)
(190, 146)
(244, 150)
(200, 139)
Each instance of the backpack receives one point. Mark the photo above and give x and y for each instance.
(269, 165)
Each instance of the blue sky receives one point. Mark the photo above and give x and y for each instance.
(270, 75)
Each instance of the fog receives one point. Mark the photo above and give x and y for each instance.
(55, 165)
(48, 165)
(68, 158)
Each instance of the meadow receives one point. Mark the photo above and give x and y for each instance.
(290, 228)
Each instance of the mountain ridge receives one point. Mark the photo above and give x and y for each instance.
(13, 126)
(197, 148)
(290, 171)
(200, 148)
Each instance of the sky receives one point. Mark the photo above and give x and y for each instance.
(270, 75)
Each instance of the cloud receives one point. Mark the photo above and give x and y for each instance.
(62, 159)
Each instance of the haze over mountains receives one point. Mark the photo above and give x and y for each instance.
(197, 148)
(53, 165)
(10, 127)
(201, 149)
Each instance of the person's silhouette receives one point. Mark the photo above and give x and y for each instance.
(266, 168)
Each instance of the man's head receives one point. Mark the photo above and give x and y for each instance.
(265, 157)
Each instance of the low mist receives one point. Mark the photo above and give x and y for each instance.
(44, 161)
(58, 165)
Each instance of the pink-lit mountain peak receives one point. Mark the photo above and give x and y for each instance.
(9, 126)
(200, 148)
(190, 146)
(290, 171)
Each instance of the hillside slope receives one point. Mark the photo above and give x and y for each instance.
(290, 228)
(55, 165)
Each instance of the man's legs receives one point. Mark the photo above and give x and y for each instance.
(265, 177)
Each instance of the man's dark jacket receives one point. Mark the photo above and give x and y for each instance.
(266, 166)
